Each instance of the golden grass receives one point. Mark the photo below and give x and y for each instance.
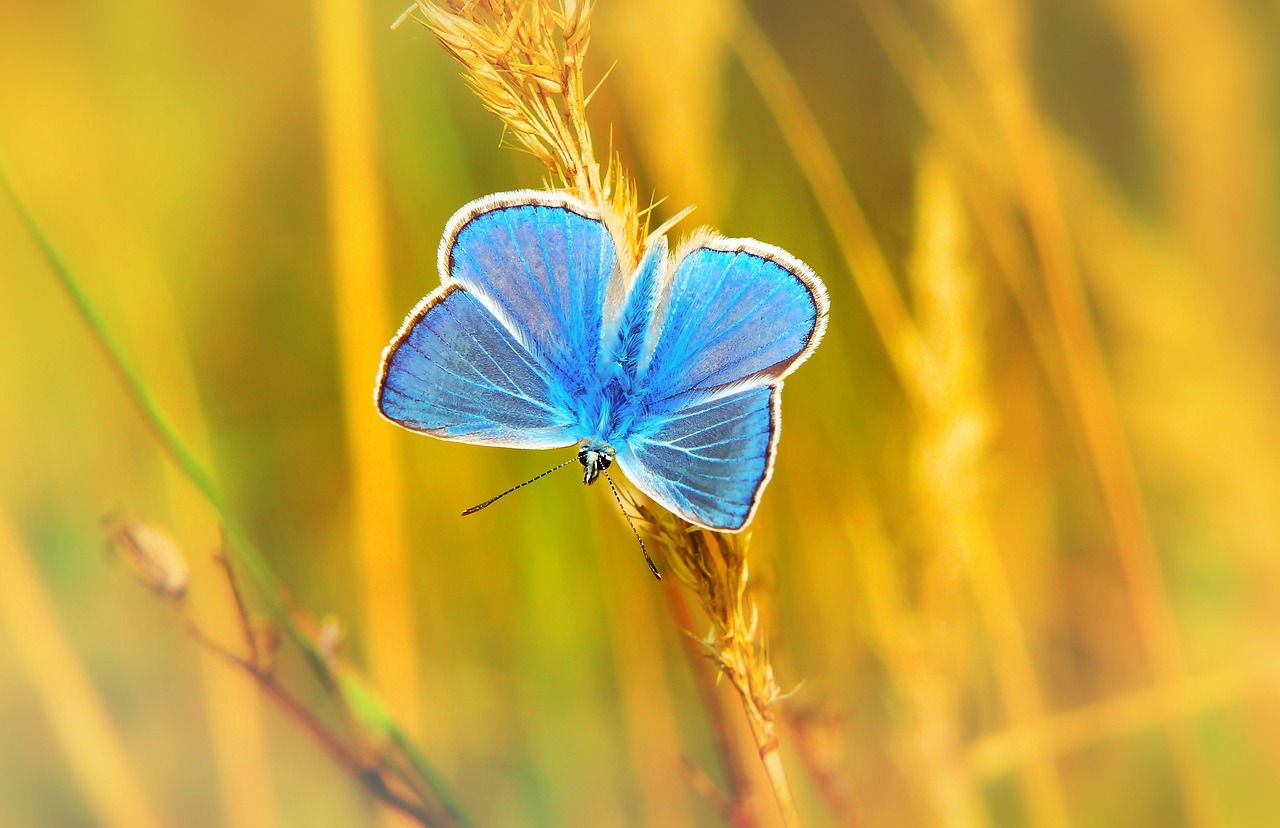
(526, 62)
(1020, 546)
(233, 707)
(1031, 185)
(862, 255)
(996, 53)
(952, 454)
(362, 305)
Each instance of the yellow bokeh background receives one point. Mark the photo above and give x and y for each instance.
(1021, 552)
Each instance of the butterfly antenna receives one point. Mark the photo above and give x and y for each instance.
(496, 498)
(634, 530)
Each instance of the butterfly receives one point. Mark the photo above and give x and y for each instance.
(537, 338)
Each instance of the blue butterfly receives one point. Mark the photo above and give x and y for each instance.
(537, 339)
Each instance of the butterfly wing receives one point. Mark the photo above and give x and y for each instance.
(542, 262)
(709, 462)
(455, 372)
(738, 317)
(739, 313)
(499, 352)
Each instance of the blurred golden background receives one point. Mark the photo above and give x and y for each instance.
(1021, 551)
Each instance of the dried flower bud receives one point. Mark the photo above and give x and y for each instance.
(154, 556)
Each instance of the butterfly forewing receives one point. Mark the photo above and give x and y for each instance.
(739, 316)
(739, 313)
(543, 267)
(454, 371)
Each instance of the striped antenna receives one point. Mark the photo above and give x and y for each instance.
(634, 530)
(496, 498)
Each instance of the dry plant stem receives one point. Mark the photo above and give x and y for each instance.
(167, 437)
(262, 674)
(704, 787)
(373, 781)
(830, 787)
(736, 811)
(714, 567)
(246, 629)
(762, 728)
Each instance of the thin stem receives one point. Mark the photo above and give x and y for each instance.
(242, 610)
(706, 788)
(762, 730)
(152, 417)
(830, 787)
(177, 450)
(338, 750)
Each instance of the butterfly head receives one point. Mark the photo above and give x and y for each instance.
(595, 457)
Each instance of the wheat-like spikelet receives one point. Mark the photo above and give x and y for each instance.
(525, 62)
(713, 565)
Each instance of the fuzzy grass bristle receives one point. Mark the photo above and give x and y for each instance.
(526, 63)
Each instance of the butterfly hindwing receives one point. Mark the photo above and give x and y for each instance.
(543, 263)
(739, 316)
(454, 371)
(708, 462)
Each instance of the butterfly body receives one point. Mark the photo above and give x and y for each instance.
(595, 458)
(539, 338)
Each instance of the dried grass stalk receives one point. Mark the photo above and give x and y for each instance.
(713, 565)
(525, 62)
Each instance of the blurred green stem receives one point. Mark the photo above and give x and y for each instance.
(238, 540)
(154, 418)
